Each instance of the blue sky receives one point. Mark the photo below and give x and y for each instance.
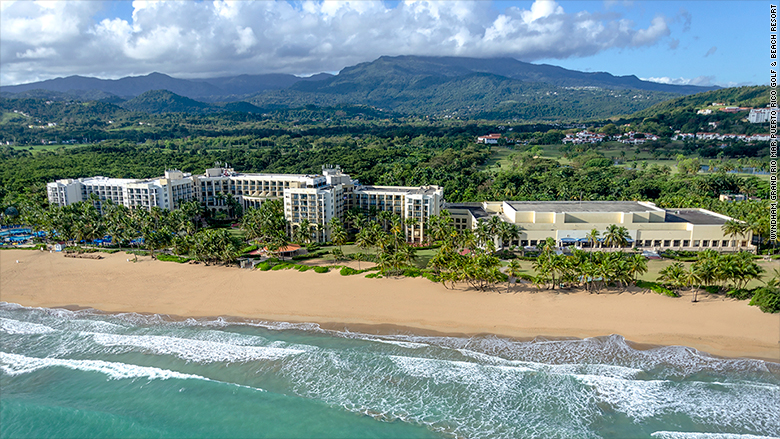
(697, 42)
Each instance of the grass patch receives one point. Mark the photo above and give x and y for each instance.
(656, 288)
(767, 299)
(321, 270)
(172, 258)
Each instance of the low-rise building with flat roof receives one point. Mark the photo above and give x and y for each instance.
(570, 222)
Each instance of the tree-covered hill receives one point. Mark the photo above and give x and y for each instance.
(164, 101)
(476, 95)
(751, 96)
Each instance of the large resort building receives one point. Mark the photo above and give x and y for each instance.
(569, 222)
(318, 198)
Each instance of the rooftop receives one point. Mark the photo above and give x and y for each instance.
(582, 206)
(694, 216)
(423, 190)
(475, 208)
(109, 181)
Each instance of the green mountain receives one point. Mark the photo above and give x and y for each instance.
(474, 95)
(164, 101)
(751, 96)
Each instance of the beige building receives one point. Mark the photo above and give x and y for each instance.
(569, 223)
(406, 201)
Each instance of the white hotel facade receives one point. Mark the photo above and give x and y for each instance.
(316, 198)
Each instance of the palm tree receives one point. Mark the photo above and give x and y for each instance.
(512, 270)
(690, 278)
(616, 236)
(593, 238)
(508, 232)
(637, 265)
(673, 275)
(302, 233)
(734, 228)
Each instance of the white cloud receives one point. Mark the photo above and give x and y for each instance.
(699, 80)
(40, 40)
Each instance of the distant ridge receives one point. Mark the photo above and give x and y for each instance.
(495, 88)
(211, 89)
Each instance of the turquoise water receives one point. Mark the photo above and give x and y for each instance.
(88, 374)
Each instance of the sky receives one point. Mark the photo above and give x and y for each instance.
(723, 43)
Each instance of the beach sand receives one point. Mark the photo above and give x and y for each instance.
(716, 325)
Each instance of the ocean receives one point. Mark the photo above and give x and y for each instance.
(73, 374)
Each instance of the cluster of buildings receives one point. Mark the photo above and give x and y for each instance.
(631, 137)
(321, 197)
(634, 138)
(716, 136)
(756, 115)
(584, 137)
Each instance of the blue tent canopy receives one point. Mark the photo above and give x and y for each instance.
(568, 240)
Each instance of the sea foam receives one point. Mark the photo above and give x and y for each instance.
(15, 364)
(200, 351)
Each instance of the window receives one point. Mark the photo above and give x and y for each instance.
(725, 243)
(686, 243)
(676, 243)
(667, 242)
(533, 242)
(657, 243)
(705, 243)
(696, 243)
(648, 242)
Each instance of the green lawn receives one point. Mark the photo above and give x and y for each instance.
(499, 159)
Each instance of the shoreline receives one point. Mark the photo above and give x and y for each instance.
(718, 326)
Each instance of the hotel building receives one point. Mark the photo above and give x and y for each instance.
(167, 192)
(316, 198)
(569, 222)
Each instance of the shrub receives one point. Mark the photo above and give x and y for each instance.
(282, 266)
(431, 276)
(373, 276)
(411, 272)
(656, 288)
(303, 268)
(767, 299)
(321, 269)
(248, 249)
(740, 294)
(264, 266)
(347, 271)
(172, 258)
(712, 289)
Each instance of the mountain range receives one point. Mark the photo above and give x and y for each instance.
(440, 86)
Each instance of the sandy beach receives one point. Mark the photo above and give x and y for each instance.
(715, 325)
